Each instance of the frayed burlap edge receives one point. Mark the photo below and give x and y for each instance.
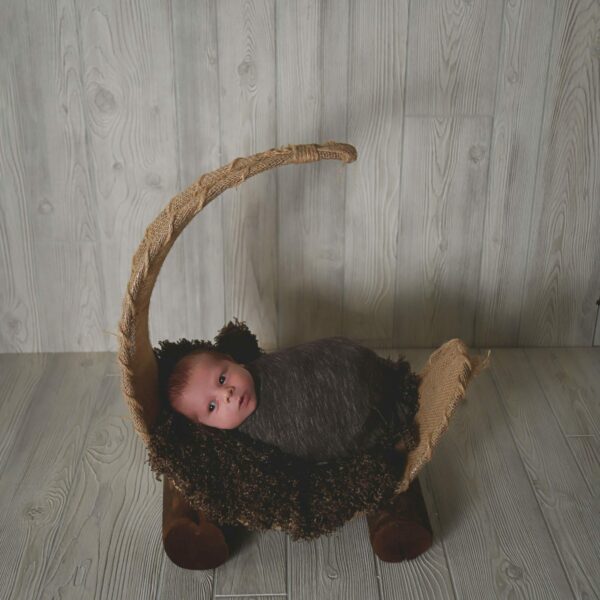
(445, 378)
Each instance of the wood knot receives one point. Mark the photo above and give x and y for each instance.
(105, 100)
(476, 153)
(45, 208)
(513, 571)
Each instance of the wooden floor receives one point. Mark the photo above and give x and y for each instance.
(512, 491)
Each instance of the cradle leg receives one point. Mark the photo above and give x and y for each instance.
(189, 540)
(401, 529)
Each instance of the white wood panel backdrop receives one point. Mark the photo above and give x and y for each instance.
(473, 210)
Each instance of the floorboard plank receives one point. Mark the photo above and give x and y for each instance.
(428, 576)
(570, 378)
(337, 566)
(43, 462)
(572, 392)
(496, 539)
(109, 542)
(257, 567)
(568, 508)
(17, 388)
(512, 495)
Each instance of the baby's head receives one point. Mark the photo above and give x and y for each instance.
(211, 388)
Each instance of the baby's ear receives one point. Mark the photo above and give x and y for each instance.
(238, 341)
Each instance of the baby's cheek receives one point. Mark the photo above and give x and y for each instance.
(244, 418)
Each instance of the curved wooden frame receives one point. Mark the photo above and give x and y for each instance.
(139, 372)
(444, 378)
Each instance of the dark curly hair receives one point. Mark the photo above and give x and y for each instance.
(235, 341)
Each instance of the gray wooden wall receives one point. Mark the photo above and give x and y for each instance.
(473, 210)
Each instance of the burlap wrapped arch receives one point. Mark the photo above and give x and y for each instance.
(445, 377)
(139, 379)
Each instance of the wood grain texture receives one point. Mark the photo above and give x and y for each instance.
(43, 463)
(490, 515)
(246, 34)
(62, 205)
(563, 268)
(334, 566)
(428, 576)
(511, 493)
(442, 207)
(570, 378)
(312, 85)
(453, 50)
(107, 110)
(375, 126)
(528, 383)
(571, 391)
(58, 212)
(19, 318)
(584, 365)
(257, 568)
(109, 542)
(68, 276)
(197, 93)
(521, 77)
(128, 78)
(179, 583)
(16, 391)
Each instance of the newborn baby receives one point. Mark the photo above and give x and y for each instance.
(321, 399)
(210, 387)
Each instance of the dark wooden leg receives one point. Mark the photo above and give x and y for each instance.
(190, 541)
(401, 529)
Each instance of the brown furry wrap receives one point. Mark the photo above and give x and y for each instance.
(233, 478)
(328, 398)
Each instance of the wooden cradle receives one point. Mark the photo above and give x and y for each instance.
(190, 540)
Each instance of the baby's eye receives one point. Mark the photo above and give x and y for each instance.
(209, 406)
(221, 377)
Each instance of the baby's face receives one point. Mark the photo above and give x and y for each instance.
(220, 393)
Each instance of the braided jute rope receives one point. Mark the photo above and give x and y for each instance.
(445, 377)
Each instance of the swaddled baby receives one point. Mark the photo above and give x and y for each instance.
(321, 399)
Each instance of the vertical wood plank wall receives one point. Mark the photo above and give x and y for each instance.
(473, 210)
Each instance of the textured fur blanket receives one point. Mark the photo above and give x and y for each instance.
(327, 398)
(234, 478)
